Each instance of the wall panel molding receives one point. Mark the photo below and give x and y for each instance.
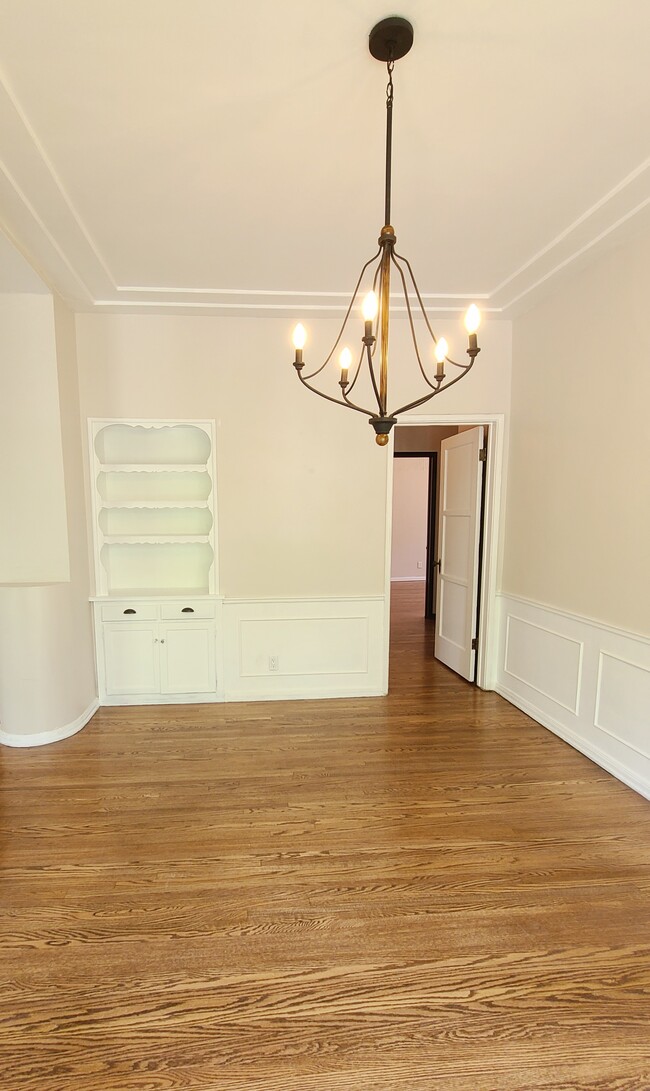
(623, 701)
(547, 655)
(544, 656)
(276, 649)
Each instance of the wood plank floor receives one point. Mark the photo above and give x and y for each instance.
(421, 891)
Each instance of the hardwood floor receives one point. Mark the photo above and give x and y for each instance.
(421, 891)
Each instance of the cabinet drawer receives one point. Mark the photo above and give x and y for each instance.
(130, 611)
(175, 611)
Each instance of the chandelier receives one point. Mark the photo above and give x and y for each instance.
(389, 40)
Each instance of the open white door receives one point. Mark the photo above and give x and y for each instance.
(459, 531)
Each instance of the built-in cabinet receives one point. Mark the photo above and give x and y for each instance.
(156, 607)
(154, 651)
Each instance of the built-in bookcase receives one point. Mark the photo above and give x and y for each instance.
(154, 507)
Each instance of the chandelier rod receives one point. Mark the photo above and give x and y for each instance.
(389, 136)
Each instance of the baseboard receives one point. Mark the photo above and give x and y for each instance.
(57, 734)
(595, 754)
(162, 699)
(301, 695)
(408, 579)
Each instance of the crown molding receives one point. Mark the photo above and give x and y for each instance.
(39, 216)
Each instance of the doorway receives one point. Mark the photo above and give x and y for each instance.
(414, 522)
(421, 439)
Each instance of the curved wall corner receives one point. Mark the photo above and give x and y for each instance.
(41, 738)
(48, 688)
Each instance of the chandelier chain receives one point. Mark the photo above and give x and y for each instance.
(389, 86)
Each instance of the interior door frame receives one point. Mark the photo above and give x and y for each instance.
(488, 631)
(430, 571)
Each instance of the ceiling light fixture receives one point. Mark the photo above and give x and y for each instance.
(389, 40)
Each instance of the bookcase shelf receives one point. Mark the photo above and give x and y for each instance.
(153, 507)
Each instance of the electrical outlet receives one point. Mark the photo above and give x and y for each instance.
(274, 662)
(420, 564)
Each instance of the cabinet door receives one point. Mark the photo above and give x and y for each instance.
(131, 658)
(187, 657)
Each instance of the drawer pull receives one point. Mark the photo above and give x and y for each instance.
(187, 610)
(129, 611)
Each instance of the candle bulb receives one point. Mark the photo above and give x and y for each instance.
(472, 323)
(299, 339)
(441, 350)
(345, 359)
(369, 310)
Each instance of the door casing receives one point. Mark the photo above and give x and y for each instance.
(486, 663)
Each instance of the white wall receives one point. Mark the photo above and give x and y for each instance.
(410, 509)
(576, 603)
(302, 485)
(33, 541)
(47, 675)
(578, 532)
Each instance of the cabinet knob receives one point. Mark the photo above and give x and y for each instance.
(155, 640)
(162, 641)
(187, 610)
(129, 611)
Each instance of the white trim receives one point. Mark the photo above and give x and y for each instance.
(594, 753)
(488, 634)
(582, 618)
(600, 203)
(56, 734)
(162, 699)
(408, 579)
(293, 599)
(306, 635)
(607, 731)
(575, 708)
(578, 253)
(290, 306)
(388, 549)
(290, 294)
(618, 746)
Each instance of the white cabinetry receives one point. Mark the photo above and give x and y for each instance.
(155, 652)
(156, 609)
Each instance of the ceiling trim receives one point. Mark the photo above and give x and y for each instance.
(39, 215)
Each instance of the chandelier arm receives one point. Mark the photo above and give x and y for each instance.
(313, 374)
(373, 379)
(350, 386)
(424, 313)
(428, 397)
(410, 318)
(337, 401)
(374, 288)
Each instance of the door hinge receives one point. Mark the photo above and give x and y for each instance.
(474, 643)
(482, 455)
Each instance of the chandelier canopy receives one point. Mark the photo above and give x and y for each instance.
(389, 40)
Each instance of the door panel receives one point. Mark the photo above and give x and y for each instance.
(188, 659)
(459, 523)
(131, 658)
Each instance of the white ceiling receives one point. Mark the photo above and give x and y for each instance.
(196, 155)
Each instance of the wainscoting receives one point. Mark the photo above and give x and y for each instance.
(588, 683)
(284, 648)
